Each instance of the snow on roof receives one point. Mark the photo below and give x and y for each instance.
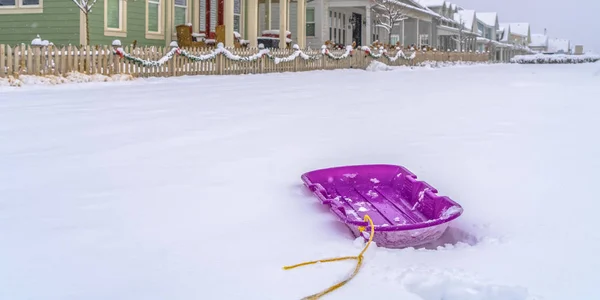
(426, 4)
(467, 16)
(416, 7)
(555, 45)
(519, 28)
(488, 18)
(503, 32)
(431, 3)
(538, 40)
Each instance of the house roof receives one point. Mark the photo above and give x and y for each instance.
(468, 16)
(554, 45)
(538, 40)
(431, 3)
(416, 7)
(488, 18)
(519, 28)
(422, 8)
(503, 33)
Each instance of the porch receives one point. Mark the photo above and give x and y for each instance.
(344, 22)
(273, 23)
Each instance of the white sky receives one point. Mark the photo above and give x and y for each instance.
(574, 20)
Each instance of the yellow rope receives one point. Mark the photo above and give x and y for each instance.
(359, 259)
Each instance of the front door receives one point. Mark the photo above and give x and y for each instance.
(357, 29)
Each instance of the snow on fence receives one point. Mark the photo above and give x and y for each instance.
(555, 59)
(173, 61)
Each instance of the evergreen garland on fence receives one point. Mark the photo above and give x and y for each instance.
(254, 57)
(325, 51)
(143, 62)
(212, 55)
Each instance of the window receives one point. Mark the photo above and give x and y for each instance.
(114, 16)
(115, 23)
(154, 12)
(424, 40)
(310, 21)
(330, 24)
(337, 23)
(155, 19)
(181, 7)
(344, 29)
(114, 8)
(237, 16)
(395, 39)
(375, 31)
(21, 6)
(19, 3)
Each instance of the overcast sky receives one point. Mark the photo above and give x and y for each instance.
(575, 20)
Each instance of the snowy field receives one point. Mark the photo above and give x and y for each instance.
(189, 188)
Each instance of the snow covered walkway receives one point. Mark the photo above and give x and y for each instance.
(189, 188)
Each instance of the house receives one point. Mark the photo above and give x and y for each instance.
(520, 33)
(559, 46)
(539, 42)
(469, 20)
(487, 24)
(448, 29)
(347, 21)
(58, 21)
(148, 22)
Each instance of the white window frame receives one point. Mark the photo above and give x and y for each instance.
(187, 12)
(122, 30)
(314, 21)
(19, 8)
(160, 34)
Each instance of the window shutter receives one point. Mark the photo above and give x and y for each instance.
(213, 15)
(203, 15)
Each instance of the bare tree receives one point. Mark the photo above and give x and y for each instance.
(462, 37)
(86, 7)
(388, 14)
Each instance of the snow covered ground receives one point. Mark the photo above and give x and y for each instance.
(189, 188)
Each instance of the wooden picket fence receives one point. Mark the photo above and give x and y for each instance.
(50, 60)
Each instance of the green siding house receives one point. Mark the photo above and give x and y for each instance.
(61, 22)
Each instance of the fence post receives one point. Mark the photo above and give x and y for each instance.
(219, 64)
(172, 63)
(116, 62)
(2, 60)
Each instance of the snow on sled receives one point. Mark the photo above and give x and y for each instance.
(406, 212)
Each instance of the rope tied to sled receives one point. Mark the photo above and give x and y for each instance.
(359, 260)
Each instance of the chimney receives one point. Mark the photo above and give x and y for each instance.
(544, 31)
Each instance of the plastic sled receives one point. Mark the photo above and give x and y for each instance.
(406, 212)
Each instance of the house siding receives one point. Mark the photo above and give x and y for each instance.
(136, 25)
(59, 24)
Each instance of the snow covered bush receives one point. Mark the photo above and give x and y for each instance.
(555, 59)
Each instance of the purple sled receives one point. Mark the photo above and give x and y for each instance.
(406, 212)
